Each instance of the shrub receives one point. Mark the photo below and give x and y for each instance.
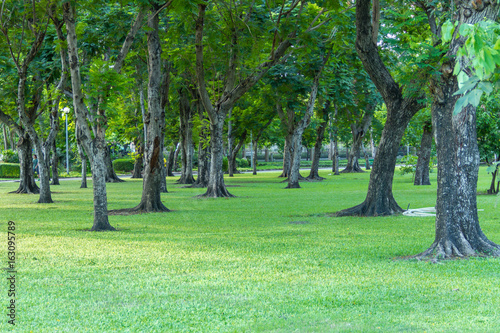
(123, 165)
(243, 163)
(9, 170)
(9, 156)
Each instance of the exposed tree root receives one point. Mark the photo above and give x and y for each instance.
(352, 170)
(314, 178)
(156, 207)
(371, 209)
(103, 228)
(185, 180)
(216, 192)
(446, 249)
(296, 185)
(26, 190)
(114, 179)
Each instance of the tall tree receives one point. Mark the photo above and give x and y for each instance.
(401, 107)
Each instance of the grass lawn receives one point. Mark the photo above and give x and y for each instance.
(269, 260)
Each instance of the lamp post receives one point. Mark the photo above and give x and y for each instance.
(66, 111)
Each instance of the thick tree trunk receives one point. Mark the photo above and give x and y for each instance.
(424, 157)
(216, 187)
(186, 134)
(458, 233)
(295, 153)
(111, 176)
(99, 170)
(27, 180)
(379, 199)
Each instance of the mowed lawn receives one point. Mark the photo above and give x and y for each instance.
(269, 260)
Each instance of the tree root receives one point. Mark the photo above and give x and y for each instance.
(367, 209)
(217, 192)
(446, 249)
(156, 207)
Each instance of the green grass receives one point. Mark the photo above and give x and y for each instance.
(268, 260)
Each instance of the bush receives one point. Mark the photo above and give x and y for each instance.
(243, 163)
(123, 165)
(9, 170)
(9, 156)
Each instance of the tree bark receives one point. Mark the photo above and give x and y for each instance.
(367, 158)
(320, 135)
(96, 146)
(186, 134)
(155, 120)
(170, 161)
(358, 132)
(234, 152)
(203, 149)
(458, 233)
(27, 180)
(379, 200)
(424, 157)
(111, 176)
(137, 173)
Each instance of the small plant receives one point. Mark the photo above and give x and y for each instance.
(408, 164)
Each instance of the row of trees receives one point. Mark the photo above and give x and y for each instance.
(247, 70)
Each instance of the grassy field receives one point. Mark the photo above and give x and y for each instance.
(270, 260)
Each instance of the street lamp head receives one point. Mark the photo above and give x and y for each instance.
(65, 110)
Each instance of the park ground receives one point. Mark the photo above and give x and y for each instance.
(269, 260)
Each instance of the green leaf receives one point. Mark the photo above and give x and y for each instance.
(447, 31)
(486, 87)
(467, 85)
(473, 97)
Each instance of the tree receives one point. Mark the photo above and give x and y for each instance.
(458, 233)
(401, 107)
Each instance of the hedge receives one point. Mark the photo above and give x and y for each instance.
(9, 170)
(123, 165)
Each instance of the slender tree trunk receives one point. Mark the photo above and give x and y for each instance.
(55, 165)
(27, 180)
(203, 150)
(137, 173)
(97, 146)
(335, 165)
(83, 158)
(367, 158)
(320, 135)
(358, 132)
(186, 134)
(234, 153)
(424, 157)
(231, 167)
(286, 157)
(170, 161)
(254, 157)
(155, 120)
(5, 138)
(175, 164)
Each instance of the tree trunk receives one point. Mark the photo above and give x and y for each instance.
(5, 138)
(295, 153)
(175, 164)
(27, 180)
(358, 132)
(367, 158)
(320, 135)
(186, 134)
(424, 157)
(286, 157)
(170, 161)
(97, 146)
(111, 176)
(216, 187)
(55, 165)
(155, 120)
(379, 199)
(234, 153)
(83, 157)
(137, 173)
(492, 189)
(458, 233)
(335, 164)
(203, 151)
(254, 157)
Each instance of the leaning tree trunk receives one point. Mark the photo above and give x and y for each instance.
(379, 199)
(320, 135)
(111, 176)
(27, 180)
(424, 157)
(458, 233)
